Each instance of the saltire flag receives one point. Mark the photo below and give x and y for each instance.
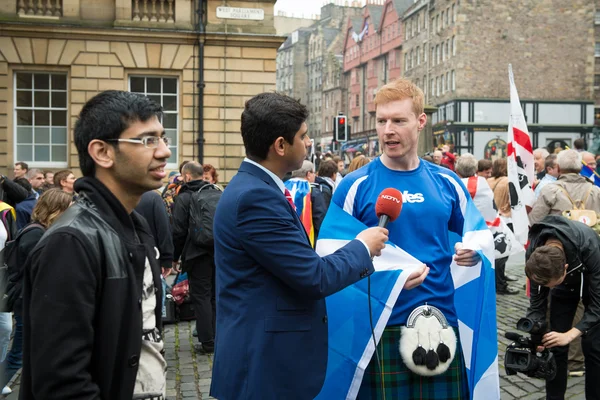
(350, 339)
(505, 243)
(589, 173)
(300, 190)
(520, 165)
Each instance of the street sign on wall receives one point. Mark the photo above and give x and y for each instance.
(257, 14)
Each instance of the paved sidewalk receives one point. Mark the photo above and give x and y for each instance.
(189, 374)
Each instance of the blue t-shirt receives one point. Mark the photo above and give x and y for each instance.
(431, 208)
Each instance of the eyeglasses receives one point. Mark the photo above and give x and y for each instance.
(150, 142)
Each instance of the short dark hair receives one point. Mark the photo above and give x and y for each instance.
(23, 165)
(579, 144)
(327, 168)
(484, 164)
(268, 116)
(61, 175)
(545, 264)
(550, 161)
(24, 183)
(106, 116)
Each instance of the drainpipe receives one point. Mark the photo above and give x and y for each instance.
(201, 36)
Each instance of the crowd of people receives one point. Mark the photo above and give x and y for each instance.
(256, 282)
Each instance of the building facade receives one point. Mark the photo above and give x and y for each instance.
(309, 68)
(56, 55)
(458, 53)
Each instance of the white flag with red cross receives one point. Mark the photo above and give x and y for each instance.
(520, 165)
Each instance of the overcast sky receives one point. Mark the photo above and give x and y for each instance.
(306, 7)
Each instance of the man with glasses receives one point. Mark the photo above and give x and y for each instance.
(92, 289)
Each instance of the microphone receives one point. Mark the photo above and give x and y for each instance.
(515, 337)
(388, 206)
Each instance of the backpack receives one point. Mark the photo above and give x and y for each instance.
(203, 205)
(10, 270)
(580, 213)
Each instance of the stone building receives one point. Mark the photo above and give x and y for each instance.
(57, 54)
(309, 68)
(461, 62)
(373, 49)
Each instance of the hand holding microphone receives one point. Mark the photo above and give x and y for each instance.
(387, 208)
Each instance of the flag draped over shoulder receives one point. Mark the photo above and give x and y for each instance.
(350, 339)
(300, 190)
(589, 173)
(520, 164)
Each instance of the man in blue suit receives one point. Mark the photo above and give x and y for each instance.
(271, 335)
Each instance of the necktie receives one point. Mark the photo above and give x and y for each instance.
(289, 198)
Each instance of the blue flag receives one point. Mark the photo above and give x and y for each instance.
(350, 338)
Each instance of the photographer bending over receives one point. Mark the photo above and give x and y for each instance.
(563, 259)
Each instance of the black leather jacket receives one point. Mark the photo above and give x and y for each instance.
(582, 249)
(82, 301)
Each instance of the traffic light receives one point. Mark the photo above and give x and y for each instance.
(340, 129)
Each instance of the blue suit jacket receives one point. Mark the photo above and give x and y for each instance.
(271, 334)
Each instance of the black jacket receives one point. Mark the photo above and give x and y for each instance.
(82, 316)
(181, 223)
(27, 242)
(582, 249)
(11, 192)
(326, 189)
(152, 208)
(318, 208)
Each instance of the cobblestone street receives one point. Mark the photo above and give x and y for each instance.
(189, 374)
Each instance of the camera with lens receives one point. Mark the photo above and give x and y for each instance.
(522, 356)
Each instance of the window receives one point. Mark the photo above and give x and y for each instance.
(448, 48)
(597, 50)
(443, 53)
(164, 91)
(448, 81)
(357, 103)
(407, 30)
(453, 13)
(414, 26)
(447, 16)
(453, 81)
(437, 86)
(397, 61)
(412, 58)
(597, 18)
(41, 119)
(405, 62)
(443, 25)
(453, 45)
(596, 81)
(443, 80)
(418, 56)
(419, 23)
(425, 53)
(437, 22)
(433, 55)
(432, 87)
(425, 84)
(437, 54)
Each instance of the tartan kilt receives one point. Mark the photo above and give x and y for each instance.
(402, 383)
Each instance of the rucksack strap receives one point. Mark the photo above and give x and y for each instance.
(573, 203)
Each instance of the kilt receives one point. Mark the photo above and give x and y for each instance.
(402, 383)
